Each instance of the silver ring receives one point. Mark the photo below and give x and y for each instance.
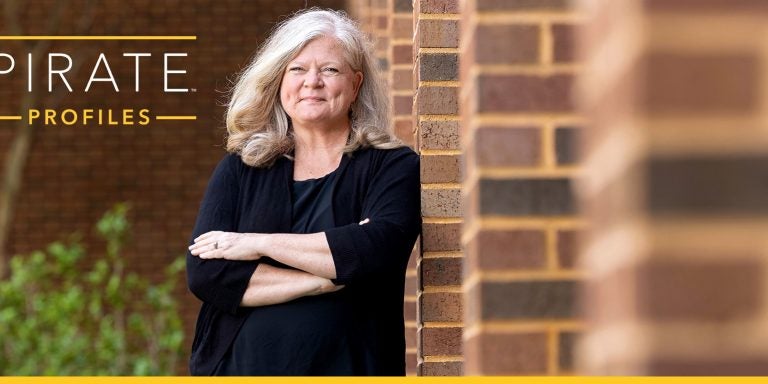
(216, 245)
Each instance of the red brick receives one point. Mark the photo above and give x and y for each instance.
(403, 105)
(411, 363)
(402, 54)
(441, 202)
(567, 248)
(441, 306)
(438, 6)
(409, 311)
(506, 354)
(531, 93)
(564, 36)
(506, 44)
(441, 341)
(437, 101)
(381, 22)
(449, 368)
(441, 237)
(719, 6)
(519, 146)
(440, 169)
(718, 291)
(439, 134)
(438, 33)
(513, 5)
(441, 271)
(404, 131)
(493, 250)
(402, 28)
(411, 285)
(702, 83)
(411, 337)
(402, 79)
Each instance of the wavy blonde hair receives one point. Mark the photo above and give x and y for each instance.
(257, 125)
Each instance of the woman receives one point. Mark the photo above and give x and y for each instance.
(302, 240)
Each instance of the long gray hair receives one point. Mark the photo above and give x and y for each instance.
(257, 125)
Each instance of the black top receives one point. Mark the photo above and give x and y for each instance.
(282, 339)
(368, 338)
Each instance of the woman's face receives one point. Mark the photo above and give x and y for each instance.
(318, 85)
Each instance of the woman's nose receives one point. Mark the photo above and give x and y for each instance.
(312, 79)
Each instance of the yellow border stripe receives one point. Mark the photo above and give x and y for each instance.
(10, 117)
(383, 380)
(175, 117)
(103, 37)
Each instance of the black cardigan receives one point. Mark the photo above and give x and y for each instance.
(380, 185)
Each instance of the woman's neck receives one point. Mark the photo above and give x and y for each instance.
(318, 152)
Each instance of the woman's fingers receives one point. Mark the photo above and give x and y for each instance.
(207, 235)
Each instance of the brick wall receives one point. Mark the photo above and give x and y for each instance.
(76, 173)
(518, 133)
(675, 187)
(435, 116)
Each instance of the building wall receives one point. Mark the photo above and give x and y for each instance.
(493, 120)
(675, 187)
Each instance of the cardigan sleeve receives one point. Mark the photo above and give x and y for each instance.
(381, 245)
(219, 282)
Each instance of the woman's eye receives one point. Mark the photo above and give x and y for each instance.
(295, 69)
(331, 70)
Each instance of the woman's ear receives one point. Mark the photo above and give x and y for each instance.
(358, 82)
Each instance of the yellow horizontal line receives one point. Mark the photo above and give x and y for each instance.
(443, 324)
(430, 186)
(442, 220)
(440, 152)
(446, 84)
(442, 254)
(439, 16)
(10, 117)
(438, 50)
(442, 289)
(175, 117)
(439, 117)
(103, 37)
(443, 359)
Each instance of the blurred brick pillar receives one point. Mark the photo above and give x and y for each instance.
(435, 72)
(518, 129)
(676, 158)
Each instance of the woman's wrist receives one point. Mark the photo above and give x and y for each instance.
(259, 243)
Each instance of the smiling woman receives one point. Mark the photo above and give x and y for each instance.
(303, 236)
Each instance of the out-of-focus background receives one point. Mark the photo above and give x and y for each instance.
(594, 184)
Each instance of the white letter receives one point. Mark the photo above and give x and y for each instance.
(13, 63)
(166, 71)
(29, 72)
(136, 55)
(59, 72)
(95, 67)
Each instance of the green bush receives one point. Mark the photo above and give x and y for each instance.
(57, 318)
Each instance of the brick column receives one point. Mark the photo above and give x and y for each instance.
(676, 188)
(518, 128)
(435, 48)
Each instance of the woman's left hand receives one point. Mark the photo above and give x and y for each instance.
(226, 245)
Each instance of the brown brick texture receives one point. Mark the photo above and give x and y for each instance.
(518, 134)
(435, 69)
(674, 195)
